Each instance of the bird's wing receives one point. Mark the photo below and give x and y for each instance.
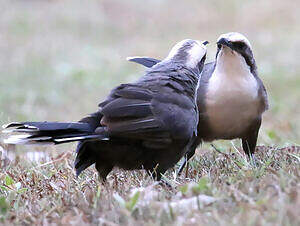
(264, 103)
(145, 61)
(128, 112)
(263, 95)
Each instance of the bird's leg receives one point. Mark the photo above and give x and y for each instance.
(249, 148)
(187, 157)
(156, 174)
(165, 184)
(182, 165)
(103, 171)
(249, 141)
(253, 161)
(187, 169)
(191, 149)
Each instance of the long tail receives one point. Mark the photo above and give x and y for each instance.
(49, 132)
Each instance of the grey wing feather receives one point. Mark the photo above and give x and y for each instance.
(262, 93)
(129, 112)
(133, 126)
(122, 107)
(134, 93)
(145, 61)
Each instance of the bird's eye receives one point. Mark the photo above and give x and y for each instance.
(238, 45)
(219, 46)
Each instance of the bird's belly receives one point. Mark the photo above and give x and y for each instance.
(230, 115)
(231, 103)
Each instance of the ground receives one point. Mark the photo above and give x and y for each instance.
(219, 189)
(59, 58)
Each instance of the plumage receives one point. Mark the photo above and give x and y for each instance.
(146, 124)
(49, 132)
(231, 98)
(146, 61)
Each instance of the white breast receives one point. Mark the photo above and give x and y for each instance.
(232, 97)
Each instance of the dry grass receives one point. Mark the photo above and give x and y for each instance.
(58, 59)
(220, 189)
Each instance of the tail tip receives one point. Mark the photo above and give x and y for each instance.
(132, 58)
(16, 139)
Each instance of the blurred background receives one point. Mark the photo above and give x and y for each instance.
(60, 58)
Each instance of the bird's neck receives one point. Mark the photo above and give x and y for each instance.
(232, 64)
(232, 79)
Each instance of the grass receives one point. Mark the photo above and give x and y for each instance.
(220, 189)
(58, 59)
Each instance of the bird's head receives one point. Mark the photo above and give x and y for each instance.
(237, 46)
(189, 53)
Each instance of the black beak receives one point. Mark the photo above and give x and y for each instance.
(224, 42)
(205, 43)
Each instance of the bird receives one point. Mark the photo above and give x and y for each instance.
(231, 97)
(147, 124)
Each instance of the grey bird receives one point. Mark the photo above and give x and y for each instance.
(148, 124)
(231, 98)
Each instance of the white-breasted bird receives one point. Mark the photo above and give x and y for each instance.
(231, 97)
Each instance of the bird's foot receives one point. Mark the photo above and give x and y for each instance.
(253, 161)
(165, 184)
(181, 167)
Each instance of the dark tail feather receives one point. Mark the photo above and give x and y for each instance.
(85, 156)
(49, 132)
(145, 61)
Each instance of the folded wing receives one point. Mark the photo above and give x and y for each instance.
(128, 114)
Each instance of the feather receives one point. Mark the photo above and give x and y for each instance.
(136, 125)
(122, 107)
(145, 61)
